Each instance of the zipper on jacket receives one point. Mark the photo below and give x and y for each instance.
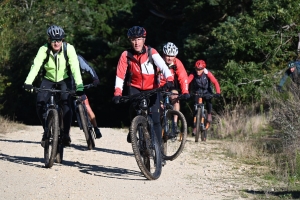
(56, 63)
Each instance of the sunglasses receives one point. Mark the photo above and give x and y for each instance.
(197, 69)
(58, 41)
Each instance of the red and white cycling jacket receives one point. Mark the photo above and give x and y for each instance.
(181, 74)
(142, 71)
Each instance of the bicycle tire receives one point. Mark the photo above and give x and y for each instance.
(198, 128)
(84, 122)
(147, 155)
(172, 147)
(204, 132)
(60, 146)
(51, 141)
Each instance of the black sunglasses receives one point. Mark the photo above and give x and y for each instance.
(197, 69)
(58, 41)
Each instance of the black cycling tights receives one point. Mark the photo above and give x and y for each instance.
(43, 97)
(154, 106)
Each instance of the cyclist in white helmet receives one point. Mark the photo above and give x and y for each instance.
(179, 73)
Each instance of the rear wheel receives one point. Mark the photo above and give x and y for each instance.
(88, 135)
(60, 146)
(172, 147)
(51, 141)
(147, 154)
(198, 128)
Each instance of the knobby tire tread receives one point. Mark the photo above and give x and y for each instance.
(198, 128)
(142, 163)
(53, 127)
(183, 138)
(85, 127)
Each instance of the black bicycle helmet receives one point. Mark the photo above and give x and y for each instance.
(55, 32)
(136, 31)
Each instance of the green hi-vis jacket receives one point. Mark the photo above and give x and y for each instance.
(56, 69)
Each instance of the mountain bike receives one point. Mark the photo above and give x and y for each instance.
(53, 147)
(174, 129)
(200, 119)
(84, 120)
(145, 146)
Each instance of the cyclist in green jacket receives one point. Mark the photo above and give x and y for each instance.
(56, 74)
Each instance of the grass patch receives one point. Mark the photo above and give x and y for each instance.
(8, 126)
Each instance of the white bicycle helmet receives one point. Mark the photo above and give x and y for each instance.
(55, 32)
(170, 49)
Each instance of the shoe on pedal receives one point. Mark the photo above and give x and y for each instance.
(66, 140)
(163, 162)
(43, 140)
(128, 138)
(97, 132)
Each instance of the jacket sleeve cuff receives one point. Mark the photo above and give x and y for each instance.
(79, 87)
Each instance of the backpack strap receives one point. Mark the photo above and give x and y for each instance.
(67, 58)
(43, 71)
(130, 56)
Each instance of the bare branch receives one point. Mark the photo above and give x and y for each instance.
(253, 81)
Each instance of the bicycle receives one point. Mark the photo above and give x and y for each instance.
(172, 144)
(145, 146)
(83, 120)
(53, 146)
(200, 119)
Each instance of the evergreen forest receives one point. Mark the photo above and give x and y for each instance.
(247, 44)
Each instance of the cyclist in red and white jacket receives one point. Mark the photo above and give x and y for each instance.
(179, 73)
(201, 81)
(143, 73)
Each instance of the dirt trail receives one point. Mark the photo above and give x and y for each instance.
(110, 171)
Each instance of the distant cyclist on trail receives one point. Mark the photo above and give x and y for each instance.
(201, 80)
(143, 73)
(179, 73)
(293, 71)
(56, 73)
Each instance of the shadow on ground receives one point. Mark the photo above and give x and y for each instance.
(290, 194)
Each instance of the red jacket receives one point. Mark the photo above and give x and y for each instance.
(142, 71)
(211, 78)
(181, 74)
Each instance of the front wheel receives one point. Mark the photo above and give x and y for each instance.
(51, 140)
(198, 122)
(204, 129)
(173, 146)
(147, 154)
(90, 140)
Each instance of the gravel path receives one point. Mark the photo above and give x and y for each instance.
(110, 171)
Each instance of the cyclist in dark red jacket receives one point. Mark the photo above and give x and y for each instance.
(143, 73)
(201, 81)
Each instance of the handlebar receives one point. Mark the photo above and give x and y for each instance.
(168, 93)
(139, 96)
(52, 90)
(204, 95)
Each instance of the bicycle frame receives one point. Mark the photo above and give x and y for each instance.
(141, 107)
(201, 105)
(166, 106)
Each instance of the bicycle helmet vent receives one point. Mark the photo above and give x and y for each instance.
(136, 32)
(200, 64)
(170, 49)
(55, 32)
